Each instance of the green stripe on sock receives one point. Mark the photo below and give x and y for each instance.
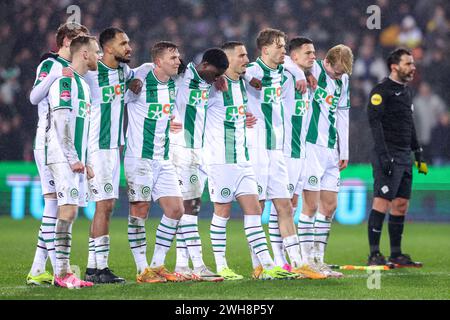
(253, 233)
(165, 226)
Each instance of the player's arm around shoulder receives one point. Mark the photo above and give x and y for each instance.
(47, 72)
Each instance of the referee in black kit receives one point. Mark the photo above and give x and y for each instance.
(390, 112)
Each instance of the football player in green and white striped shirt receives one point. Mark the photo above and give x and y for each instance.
(107, 85)
(326, 145)
(66, 145)
(266, 140)
(52, 67)
(150, 174)
(230, 173)
(186, 154)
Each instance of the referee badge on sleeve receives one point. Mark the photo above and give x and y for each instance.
(376, 99)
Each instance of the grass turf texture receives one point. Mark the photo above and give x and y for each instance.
(428, 243)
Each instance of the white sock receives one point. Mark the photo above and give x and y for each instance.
(255, 260)
(92, 263)
(322, 226)
(138, 242)
(189, 228)
(257, 240)
(102, 251)
(63, 243)
(182, 251)
(306, 237)
(165, 233)
(219, 240)
(40, 256)
(293, 249)
(276, 241)
(48, 228)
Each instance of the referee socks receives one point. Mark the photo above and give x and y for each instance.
(396, 224)
(375, 226)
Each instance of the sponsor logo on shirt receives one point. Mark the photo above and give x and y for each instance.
(234, 113)
(109, 93)
(301, 107)
(322, 97)
(272, 95)
(158, 110)
(196, 97)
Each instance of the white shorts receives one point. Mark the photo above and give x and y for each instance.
(71, 187)
(226, 182)
(322, 168)
(296, 174)
(150, 179)
(190, 170)
(106, 166)
(271, 173)
(45, 175)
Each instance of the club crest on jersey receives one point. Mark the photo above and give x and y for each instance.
(272, 95)
(322, 96)
(158, 110)
(65, 95)
(301, 106)
(233, 113)
(197, 96)
(42, 75)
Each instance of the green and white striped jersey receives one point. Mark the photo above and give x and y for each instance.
(149, 117)
(266, 106)
(73, 94)
(225, 129)
(191, 103)
(296, 106)
(329, 97)
(47, 72)
(108, 101)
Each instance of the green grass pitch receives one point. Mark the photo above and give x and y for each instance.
(428, 243)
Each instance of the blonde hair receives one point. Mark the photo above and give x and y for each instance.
(343, 55)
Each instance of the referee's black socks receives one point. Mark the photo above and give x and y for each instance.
(396, 224)
(375, 226)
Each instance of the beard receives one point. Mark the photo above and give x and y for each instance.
(122, 59)
(406, 76)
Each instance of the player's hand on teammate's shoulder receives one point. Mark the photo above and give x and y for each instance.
(250, 119)
(312, 81)
(77, 167)
(67, 72)
(301, 86)
(135, 86)
(221, 84)
(256, 83)
(175, 127)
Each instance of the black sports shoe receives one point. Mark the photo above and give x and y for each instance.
(107, 276)
(404, 261)
(90, 275)
(376, 259)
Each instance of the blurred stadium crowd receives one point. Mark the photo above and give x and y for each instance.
(27, 30)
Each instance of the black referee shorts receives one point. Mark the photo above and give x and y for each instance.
(398, 185)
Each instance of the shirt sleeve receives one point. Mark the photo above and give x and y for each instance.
(47, 72)
(295, 70)
(375, 111)
(342, 125)
(344, 100)
(60, 94)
